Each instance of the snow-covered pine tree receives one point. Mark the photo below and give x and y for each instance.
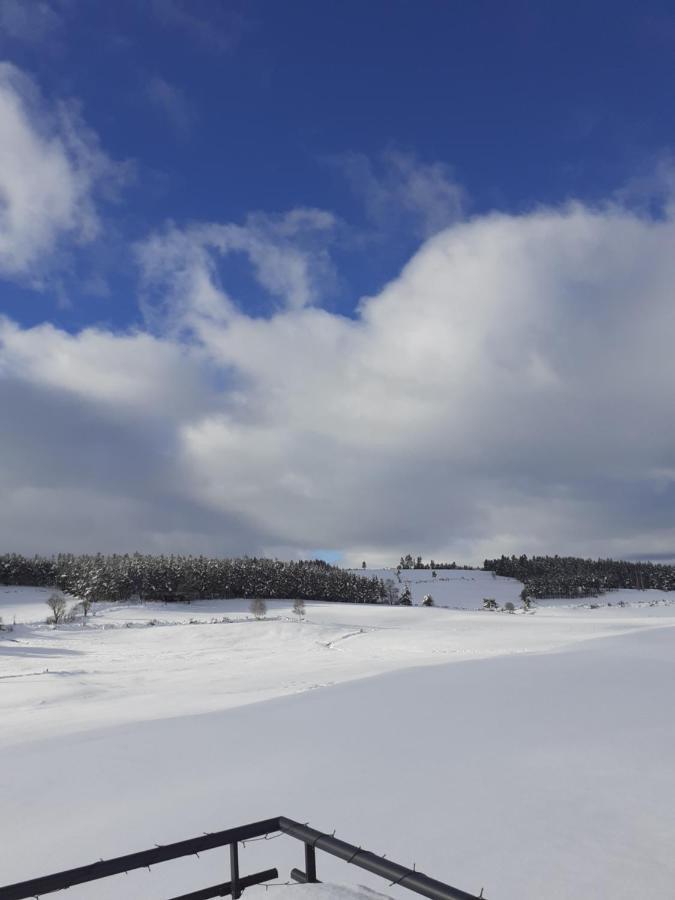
(120, 577)
(406, 597)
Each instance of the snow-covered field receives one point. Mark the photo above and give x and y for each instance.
(529, 754)
(455, 588)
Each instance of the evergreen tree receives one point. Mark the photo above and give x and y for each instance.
(122, 577)
(406, 597)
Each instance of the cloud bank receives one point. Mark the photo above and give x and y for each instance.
(509, 391)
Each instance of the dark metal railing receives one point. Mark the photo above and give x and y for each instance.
(385, 868)
(312, 839)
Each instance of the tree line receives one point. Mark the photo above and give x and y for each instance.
(170, 578)
(570, 576)
(410, 562)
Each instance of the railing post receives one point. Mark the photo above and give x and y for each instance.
(310, 863)
(234, 870)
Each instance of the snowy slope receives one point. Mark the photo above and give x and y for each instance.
(122, 668)
(537, 764)
(547, 775)
(456, 588)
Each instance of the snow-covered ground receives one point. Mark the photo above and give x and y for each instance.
(326, 892)
(134, 662)
(539, 762)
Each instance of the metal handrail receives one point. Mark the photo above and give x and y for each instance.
(312, 839)
(385, 868)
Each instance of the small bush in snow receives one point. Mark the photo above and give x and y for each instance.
(57, 604)
(428, 600)
(72, 613)
(85, 606)
(489, 603)
(390, 592)
(299, 607)
(509, 607)
(258, 607)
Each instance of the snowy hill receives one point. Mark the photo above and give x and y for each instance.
(454, 588)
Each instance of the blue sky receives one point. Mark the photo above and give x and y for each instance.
(222, 202)
(224, 108)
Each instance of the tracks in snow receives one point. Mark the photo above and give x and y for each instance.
(330, 645)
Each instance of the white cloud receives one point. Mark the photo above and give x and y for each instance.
(213, 26)
(50, 167)
(509, 391)
(287, 254)
(398, 190)
(33, 23)
(170, 100)
(130, 374)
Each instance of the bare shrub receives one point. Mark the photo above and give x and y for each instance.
(258, 607)
(85, 606)
(57, 604)
(299, 608)
(390, 592)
